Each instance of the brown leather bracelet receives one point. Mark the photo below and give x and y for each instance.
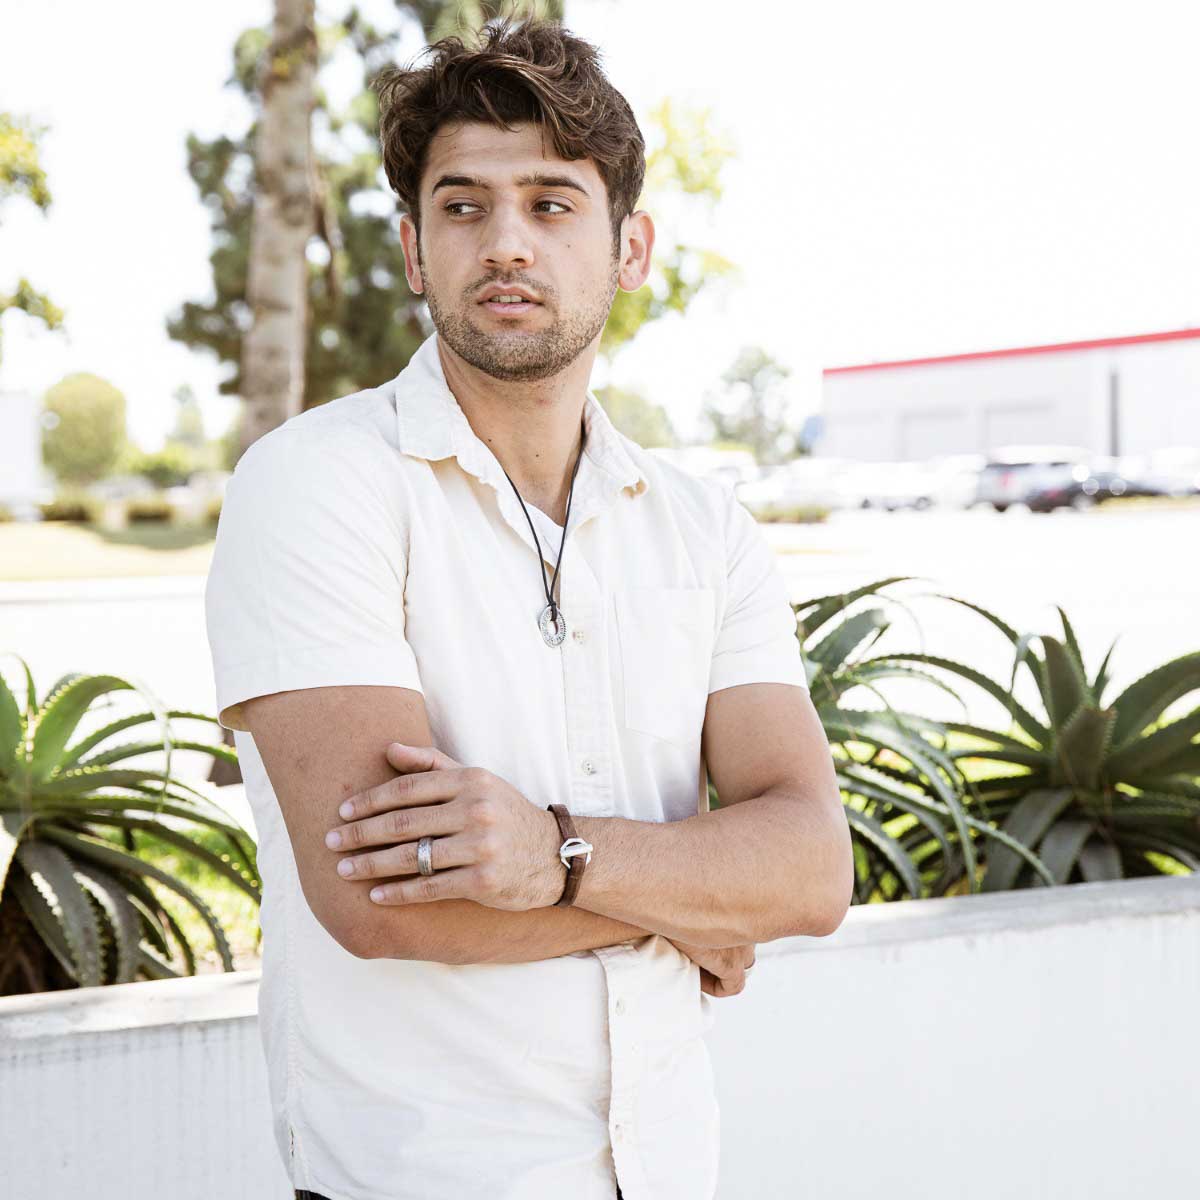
(578, 861)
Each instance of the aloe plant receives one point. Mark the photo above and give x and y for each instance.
(76, 908)
(907, 800)
(1102, 790)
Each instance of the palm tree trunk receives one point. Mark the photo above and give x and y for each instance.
(272, 364)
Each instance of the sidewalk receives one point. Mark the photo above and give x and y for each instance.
(122, 587)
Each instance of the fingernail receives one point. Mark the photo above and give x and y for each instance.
(345, 867)
(333, 839)
(347, 810)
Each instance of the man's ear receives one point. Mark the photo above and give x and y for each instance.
(408, 243)
(637, 244)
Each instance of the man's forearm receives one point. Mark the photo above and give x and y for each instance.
(777, 865)
(461, 932)
(770, 867)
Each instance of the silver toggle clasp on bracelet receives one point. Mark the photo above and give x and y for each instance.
(573, 846)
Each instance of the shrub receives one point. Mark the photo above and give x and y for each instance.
(148, 508)
(71, 505)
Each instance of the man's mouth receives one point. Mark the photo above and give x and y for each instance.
(505, 306)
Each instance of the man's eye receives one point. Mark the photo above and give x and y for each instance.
(459, 204)
(564, 207)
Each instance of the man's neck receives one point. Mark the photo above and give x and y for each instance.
(532, 427)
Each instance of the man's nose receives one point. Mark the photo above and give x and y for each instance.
(506, 240)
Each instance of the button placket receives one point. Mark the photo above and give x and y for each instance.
(626, 1064)
(585, 687)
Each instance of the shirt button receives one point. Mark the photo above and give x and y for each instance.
(578, 635)
(619, 1132)
(589, 767)
(620, 1004)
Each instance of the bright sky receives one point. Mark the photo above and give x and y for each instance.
(912, 179)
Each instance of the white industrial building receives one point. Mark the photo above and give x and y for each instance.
(1122, 395)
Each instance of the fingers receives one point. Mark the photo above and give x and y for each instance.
(418, 758)
(453, 851)
(421, 787)
(397, 825)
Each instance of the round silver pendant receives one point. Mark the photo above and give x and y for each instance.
(553, 631)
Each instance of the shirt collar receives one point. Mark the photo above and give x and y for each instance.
(431, 424)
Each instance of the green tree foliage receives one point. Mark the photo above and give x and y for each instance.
(364, 322)
(685, 156)
(85, 439)
(21, 174)
(636, 417)
(752, 409)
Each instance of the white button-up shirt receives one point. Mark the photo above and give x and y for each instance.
(375, 539)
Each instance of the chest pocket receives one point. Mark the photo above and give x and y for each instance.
(666, 636)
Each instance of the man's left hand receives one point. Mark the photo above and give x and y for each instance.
(490, 843)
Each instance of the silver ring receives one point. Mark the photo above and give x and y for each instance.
(425, 856)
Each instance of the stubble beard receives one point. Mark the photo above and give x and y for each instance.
(518, 354)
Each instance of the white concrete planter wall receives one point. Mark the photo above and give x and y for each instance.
(1036, 1045)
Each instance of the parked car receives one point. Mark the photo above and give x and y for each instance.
(955, 479)
(805, 482)
(894, 485)
(1012, 474)
(1087, 486)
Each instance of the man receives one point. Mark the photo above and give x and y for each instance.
(459, 599)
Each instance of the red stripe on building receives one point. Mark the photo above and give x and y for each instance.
(1174, 335)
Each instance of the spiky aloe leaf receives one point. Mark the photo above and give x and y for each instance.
(77, 750)
(1145, 700)
(133, 749)
(193, 848)
(108, 855)
(855, 779)
(154, 966)
(935, 764)
(832, 651)
(57, 719)
(874, 835)
(1066, 684)
(30, 691)
(1157, 750)
(53, 874)
(1099, 861)
(1100, 683)
(1034, 728)
(12, 731)
(1027, 823)
(871, 670)
(44, 920)
(124, 922)
(816, 612)
(1020, 641)
(1060, 848)
(1082, 745)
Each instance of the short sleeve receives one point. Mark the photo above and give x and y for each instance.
(306, 585)
(757, 640)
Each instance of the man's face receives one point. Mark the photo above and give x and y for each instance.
(499, 208)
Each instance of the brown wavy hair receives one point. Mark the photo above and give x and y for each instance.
(533, 71)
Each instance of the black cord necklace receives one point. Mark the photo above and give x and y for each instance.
(551, 621)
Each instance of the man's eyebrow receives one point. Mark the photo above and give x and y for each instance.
(536, 179)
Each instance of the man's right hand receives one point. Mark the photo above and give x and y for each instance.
(722, 969)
